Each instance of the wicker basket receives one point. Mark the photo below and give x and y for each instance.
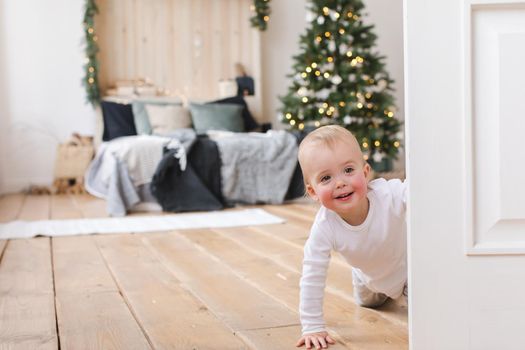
(72, 161)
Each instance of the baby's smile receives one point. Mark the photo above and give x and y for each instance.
(344, 196)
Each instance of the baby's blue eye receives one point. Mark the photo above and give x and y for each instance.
(349, 170)
(325, 178)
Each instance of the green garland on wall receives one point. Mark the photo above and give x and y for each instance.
(90, 80)
(262, 14)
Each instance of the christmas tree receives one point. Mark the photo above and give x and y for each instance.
(339, 79)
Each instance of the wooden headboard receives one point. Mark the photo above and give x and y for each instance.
(183, 46)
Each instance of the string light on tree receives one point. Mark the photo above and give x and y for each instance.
(343, 80)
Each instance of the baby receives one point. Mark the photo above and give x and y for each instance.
(363, 221)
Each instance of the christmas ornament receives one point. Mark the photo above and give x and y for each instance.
(323, 94)
(336, 79)
(331, 45)
(377, 157)
(302, 91)
(309, 16)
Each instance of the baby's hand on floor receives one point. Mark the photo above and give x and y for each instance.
(319, 340)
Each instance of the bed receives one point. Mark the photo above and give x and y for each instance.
(158, 154)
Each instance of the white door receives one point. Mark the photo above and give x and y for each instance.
(465, 103)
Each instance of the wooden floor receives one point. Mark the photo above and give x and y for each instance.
(235, 288)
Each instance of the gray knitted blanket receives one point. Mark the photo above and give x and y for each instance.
(256, 167)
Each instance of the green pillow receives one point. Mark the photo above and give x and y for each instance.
(215, 116)
(140, 114)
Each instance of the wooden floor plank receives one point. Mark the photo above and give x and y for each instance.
(223, 288)
(62, 206)
(308, 205)
(26, 267)
(10, 206)
(285, 232)
(283, 284)
(171, 317)
(35, 208)
(90, 206)
(3, 244)
(239, 304)
(26, 322)
(27, 306)
(90, 310)
(306, 210)
(97, 321)
(293, 215)
(268, 242)
(79, 266)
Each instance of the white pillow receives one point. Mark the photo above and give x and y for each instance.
(165, 119)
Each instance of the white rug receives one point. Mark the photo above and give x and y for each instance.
(135, 224)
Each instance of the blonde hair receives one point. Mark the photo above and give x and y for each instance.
(327, 135)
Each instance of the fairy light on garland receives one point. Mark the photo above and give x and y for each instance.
(90, 80)
(262, 11)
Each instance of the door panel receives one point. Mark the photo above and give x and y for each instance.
(496, 46)
(465, 127)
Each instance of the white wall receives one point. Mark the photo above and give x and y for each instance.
(3, 99)
(42, 100)
(281, 41)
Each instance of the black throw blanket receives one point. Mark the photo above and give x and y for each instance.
(198, 187)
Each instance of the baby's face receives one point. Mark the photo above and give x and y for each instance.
(337, 177)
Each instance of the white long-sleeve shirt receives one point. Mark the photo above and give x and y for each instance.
(376, 250)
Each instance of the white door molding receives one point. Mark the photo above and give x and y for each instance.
(494, 42)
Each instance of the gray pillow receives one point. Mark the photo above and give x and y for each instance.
(165, 119)
(214, 116)
(140, 114)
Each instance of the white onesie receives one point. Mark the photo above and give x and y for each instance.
(376, 250)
